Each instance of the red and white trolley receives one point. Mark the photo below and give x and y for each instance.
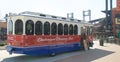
(41, 34)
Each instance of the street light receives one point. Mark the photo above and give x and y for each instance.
(87, 13)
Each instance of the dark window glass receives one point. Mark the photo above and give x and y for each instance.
(75, 29)
(19, 27)
(43, 15)
(71, 29)
(65, 29)
(38, 28)
(91, 30)
(29, 27)
(54, 17)
(46, 28)
(118, 19)
(54, 28)
(63, 18)
(60, 29)
(88, 30)
(10, 27)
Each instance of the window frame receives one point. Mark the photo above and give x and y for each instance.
(53, 28)
(60, 29)
(71, 29)
(65, 29)
(75, 29)
(18, 27)
(46, 28)
(10, 27)
(29, 27)
(38, 28)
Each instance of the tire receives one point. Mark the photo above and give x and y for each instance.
(52, 54)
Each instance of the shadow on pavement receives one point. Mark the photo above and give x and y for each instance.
(24, 58)
(77, 56)
(88, 56)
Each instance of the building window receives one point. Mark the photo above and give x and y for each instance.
(91, 30)
(75, 29)
(19, 27)
(10, 27)
(71, 29)
(46, 28)
(118, 19)
(60, 29)
(117, 16)
(29, 27)
(88, 30)
(38, 28)
(54, 28)
(66, 29)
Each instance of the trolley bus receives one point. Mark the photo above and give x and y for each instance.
(34, 33)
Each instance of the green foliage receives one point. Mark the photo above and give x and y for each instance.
(2, 43)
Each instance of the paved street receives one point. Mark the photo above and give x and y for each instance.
(106, 53)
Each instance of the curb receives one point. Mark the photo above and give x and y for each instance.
(2, 47)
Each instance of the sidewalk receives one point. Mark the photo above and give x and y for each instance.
(107, 53)
(2, 47)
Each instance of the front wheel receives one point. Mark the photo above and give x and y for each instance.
(53, 54)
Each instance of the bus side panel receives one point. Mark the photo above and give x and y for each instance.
(43, 45)
(65, 43)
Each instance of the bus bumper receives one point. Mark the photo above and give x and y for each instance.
(9, 49)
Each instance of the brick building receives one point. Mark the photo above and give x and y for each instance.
(3, 29)
(116, 18)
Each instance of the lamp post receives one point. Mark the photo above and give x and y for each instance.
(87, 13)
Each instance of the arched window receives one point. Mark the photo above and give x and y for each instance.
(29, 27)
(71, 29)
(60, 29)
(54, 28)
(75, 29)
(46, 28)
(38, 28)
(66, 29)
(10, 27)
(18, 27)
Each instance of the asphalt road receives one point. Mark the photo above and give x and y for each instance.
(107, 53)
(5, 57)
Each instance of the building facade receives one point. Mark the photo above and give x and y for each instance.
(3, 30)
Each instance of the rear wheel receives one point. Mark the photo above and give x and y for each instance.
(53, 54)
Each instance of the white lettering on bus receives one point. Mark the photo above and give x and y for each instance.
(11, 38)
(70, 38)
(54, 39)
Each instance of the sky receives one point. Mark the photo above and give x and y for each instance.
(55, 7)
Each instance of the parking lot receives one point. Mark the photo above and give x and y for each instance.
(108, 53)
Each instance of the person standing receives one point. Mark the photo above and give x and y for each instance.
(83, 38)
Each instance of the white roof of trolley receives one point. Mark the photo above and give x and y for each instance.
(35, 14)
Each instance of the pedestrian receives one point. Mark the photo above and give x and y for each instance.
(85, 43)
